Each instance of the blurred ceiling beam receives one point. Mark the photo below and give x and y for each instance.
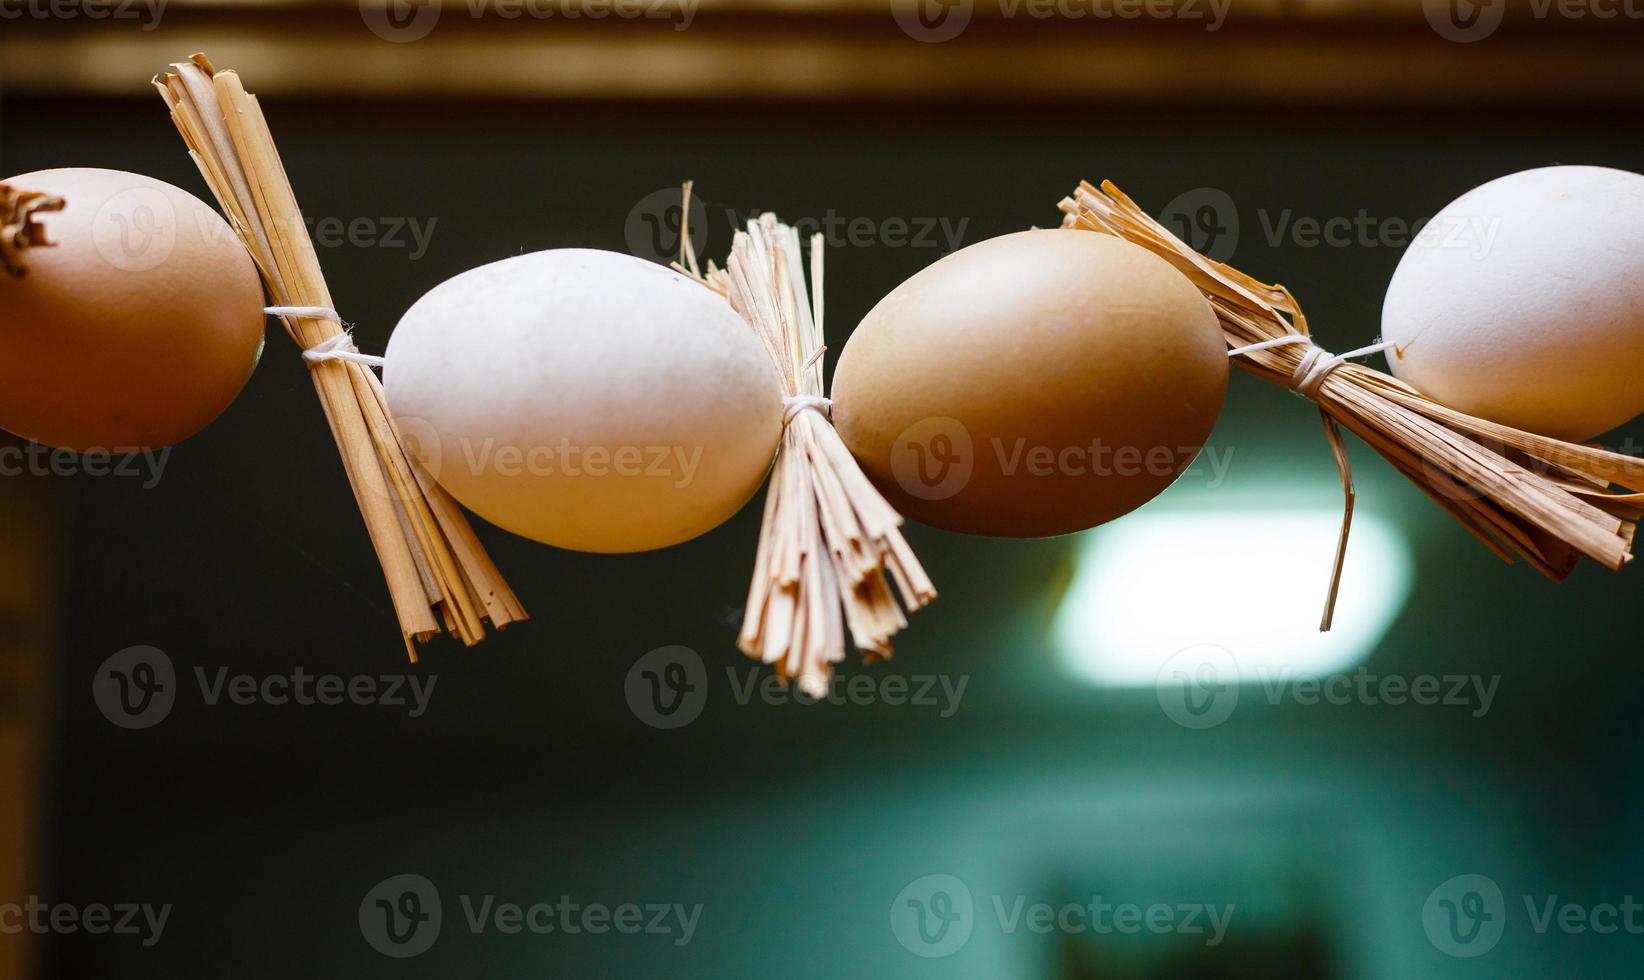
(1271, 52)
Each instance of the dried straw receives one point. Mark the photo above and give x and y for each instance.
(830, 543)
(20, 227)
(439, 575)
(1544, 500)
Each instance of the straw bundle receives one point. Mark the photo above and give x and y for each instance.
(830, 544)
(1544, 500)
(20, 227)
(438, 573)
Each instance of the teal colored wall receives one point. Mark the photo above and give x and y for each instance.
(797, 826)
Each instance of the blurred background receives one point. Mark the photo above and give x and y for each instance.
(1026, 790)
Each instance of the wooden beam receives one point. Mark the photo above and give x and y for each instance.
(1267, 52)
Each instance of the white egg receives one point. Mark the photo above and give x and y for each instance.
(586, 399)
(1523, 302)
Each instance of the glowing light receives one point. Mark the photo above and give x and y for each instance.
(1252, 582)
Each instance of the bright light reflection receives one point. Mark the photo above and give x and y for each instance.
(1250, 581)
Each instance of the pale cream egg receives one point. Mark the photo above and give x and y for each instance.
(586, 399)
(1522, 302)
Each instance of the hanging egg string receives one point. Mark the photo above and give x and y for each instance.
(438, 574)
(1307, 379)
(1535, 497)
(830, 545)
(20, 227)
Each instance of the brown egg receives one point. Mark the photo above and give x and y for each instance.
(1034, 384)
(137, 327)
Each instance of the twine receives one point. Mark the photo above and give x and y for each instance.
(1316, 365)
(1307, 379)
(338, 348)
(794, 404)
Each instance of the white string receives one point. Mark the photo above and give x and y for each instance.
(794, 404)
(1315, 365)
(306, 312)
(338, 348)
(1293, 338)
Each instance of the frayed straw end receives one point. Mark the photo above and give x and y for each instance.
(1541, 499)
(831, 556)
(20, 227)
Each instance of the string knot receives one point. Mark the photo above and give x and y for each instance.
(1316, 365)
(794, 404)
(1311, 371)
(1307, 379)
(338, 348)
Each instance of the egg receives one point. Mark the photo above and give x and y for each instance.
(1522, 302)
(137, 328)
(586, 399)
(1033, 384)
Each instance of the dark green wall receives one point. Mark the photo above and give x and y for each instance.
(796, 826)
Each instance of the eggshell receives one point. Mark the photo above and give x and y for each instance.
(586, 399)
(1523, 302)
(1033, 384)
(137, 328)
